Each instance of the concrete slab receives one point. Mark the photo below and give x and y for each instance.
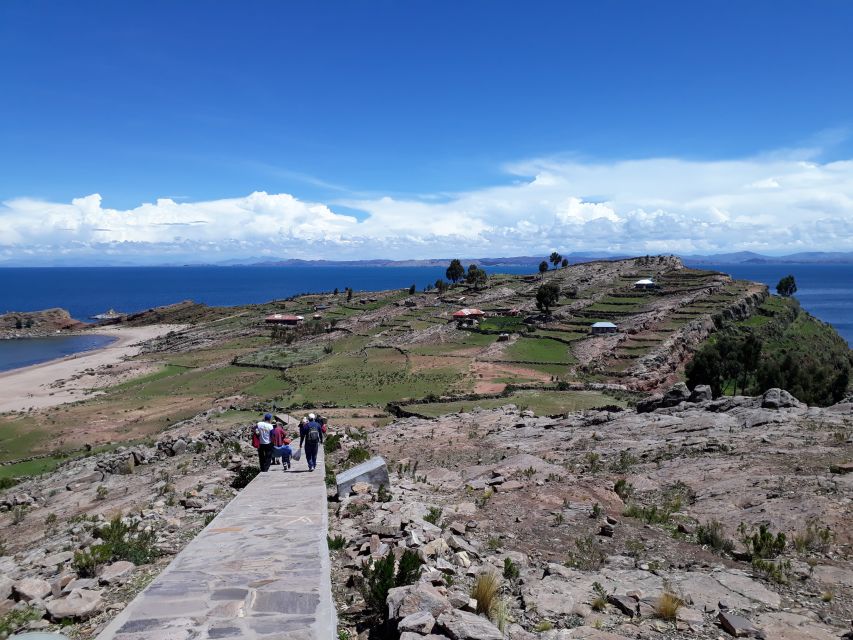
(259, 570)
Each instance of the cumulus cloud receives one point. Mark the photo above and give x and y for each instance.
(771, 203)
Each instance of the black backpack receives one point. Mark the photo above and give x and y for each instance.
(313, 434)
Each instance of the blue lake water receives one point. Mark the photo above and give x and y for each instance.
(27, 351)
(85, 292)
(826, 291)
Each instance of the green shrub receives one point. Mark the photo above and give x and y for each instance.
(7, 483)
(778, 572)
(87, 563)
(623, 489)
(511, 571)
(762, 543)
(244, 476)
(336, 543)
(123, 541)
(711, 534)
(814, 538)
(17, 619)
(382, 494)
(332, 443)
(649, 515)
(433, 515)
(378, 580)
(599, 597)
(587, 556)
(382, 576)
(409, 568)
(357, 455)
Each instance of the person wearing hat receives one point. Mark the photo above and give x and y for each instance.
(311, 435)
(264, 429)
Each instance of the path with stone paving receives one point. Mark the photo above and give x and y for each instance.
(260, 570)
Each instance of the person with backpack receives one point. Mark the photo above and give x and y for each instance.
(263, 430)
(311, 435)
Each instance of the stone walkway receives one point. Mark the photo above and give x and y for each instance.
(259, 570)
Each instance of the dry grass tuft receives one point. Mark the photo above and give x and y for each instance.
(668, 605)
(485, 591)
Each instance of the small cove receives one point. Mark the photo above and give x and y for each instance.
(23, 352)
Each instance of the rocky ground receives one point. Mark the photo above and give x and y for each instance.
(163, 493)
(608, 525)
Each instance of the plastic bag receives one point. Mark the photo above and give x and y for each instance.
(297, 455)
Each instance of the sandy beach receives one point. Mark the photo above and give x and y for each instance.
(75, 377)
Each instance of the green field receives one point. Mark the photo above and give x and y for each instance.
(542, 350)
(376, 377)
(541, 402)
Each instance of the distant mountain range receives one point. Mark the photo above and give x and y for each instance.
(748, 257)
(741, 257)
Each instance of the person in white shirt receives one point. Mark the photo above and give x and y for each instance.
(263, 429)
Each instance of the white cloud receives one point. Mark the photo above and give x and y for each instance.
(770, 203)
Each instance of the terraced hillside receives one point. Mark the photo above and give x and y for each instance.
(356, 355)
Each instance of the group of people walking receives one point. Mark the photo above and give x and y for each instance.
(273, 444)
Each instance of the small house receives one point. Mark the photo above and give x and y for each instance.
(282, 319)
(469, 314)
(599, 328)
(645, 284)
(514, 313)
(468, 317)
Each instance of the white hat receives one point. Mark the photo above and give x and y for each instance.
(311, 416)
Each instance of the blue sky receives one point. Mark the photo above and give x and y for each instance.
(385, 114)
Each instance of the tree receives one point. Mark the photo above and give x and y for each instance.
(412, 290)
(547, 296)
(349, 294)
(455, 272)
(441, 286)
(335, 291)
(787, 286)
(555, 258)
(565, 262)
(707, 368)
(543, 267)
(476, 276)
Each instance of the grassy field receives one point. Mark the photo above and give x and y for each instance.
(541, 350)
(540, 402)
(376, 377)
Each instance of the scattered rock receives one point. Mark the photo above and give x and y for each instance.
(462, 625)
(421, 622)
(116, 573)
(80, 604)
(738, 626)
(29, 589)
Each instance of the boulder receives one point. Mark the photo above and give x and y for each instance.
(116, 573)
(373, 472)
(420, 622)
(779, 399)
(738, 626)
(55, 559)
(81, 482)
(404, 601)
(80, 604)
(462, 625)
(701, 393)
(179, 446)
(5, 587)
(29, 589)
